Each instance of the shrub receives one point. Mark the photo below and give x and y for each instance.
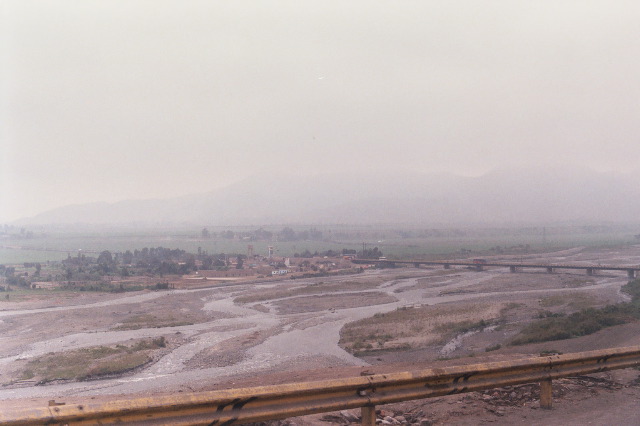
(493, 348)
(584, 322)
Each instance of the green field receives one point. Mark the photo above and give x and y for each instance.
(392, 241)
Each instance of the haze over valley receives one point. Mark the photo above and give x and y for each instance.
(506, 197)
(197, 196)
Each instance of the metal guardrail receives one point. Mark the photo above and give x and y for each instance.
(238, 406)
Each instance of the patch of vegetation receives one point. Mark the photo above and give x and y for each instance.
(549, 314)
(447, 358)
(321, 302)
(317, 288)
(548, 352)
(550, 301)
(406, 276)
(107, 287)
(260, 308)
(122, 364)
(92, 362)
(414, 327)
(137, 322)
(584, 322)
(575, 301)
(369, 350)
(581, 323)
(510, 306)
(455, 328)
(104, 287)
(455, 291)
(632, 288)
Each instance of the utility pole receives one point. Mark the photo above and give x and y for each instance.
(364, 248)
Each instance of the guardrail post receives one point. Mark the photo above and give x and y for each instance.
(368, 415)
(546, 394)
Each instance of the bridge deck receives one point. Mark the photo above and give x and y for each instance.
(498, 264)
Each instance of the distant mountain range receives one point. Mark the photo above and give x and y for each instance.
(510, 196)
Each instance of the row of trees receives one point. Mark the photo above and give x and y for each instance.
(149, 261)
(261, 234)
(368, 253)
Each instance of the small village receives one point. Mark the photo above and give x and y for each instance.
(163, 268)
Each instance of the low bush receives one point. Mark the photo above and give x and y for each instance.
(462, 327)
(584, 322)
(91, 362)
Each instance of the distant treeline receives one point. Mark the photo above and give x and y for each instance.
(345, 233)
(152, 261)
(261, 234)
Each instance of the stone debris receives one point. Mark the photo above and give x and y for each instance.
(495, 401)
(383, 417)
(349, 416)
(529, 394)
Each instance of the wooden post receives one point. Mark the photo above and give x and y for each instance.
(369, 415)
(546, 394)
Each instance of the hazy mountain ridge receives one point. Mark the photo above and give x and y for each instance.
(504, 196)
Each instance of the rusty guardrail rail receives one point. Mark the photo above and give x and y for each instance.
(237, 406)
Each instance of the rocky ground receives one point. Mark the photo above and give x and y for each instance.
(599, 400)
(240, 334)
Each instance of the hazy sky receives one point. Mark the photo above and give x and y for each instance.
(110, 100)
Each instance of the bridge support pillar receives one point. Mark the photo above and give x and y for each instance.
(512, 269)
(589, 271)
(447, 266)
(631, 273)
(546, 394)
(550, 269)
(368, 415)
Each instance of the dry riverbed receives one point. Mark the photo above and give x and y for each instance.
(71, 345)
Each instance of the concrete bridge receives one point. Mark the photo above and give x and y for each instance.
(513, 267)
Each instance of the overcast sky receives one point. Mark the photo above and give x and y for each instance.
(112, 100)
